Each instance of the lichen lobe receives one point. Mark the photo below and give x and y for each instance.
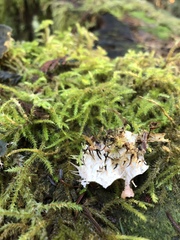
(117, 156)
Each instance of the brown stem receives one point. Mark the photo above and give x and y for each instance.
(88, 214)
(173, 222)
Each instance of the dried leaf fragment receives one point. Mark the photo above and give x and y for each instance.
(157, 137)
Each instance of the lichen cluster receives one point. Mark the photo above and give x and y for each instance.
(44, 118)
(119, 155)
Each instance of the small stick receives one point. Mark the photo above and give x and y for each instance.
(88, 214)
(173, 222)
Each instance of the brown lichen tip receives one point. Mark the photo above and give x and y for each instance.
(120, 155)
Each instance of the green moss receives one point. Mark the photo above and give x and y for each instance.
(161, 32)
(143, 17)
(151, 25)
(157, 219)
(44, 118)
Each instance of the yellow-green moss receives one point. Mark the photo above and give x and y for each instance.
(44, 118)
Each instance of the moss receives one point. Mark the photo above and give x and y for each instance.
(44, 117)
(157, 219)
(143, 17)
(160, 30)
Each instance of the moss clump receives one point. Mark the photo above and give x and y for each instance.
(44, 118)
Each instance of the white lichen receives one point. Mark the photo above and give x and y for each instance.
(119, 156)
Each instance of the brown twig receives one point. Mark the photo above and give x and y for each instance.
(88, 214)
(173, 222)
